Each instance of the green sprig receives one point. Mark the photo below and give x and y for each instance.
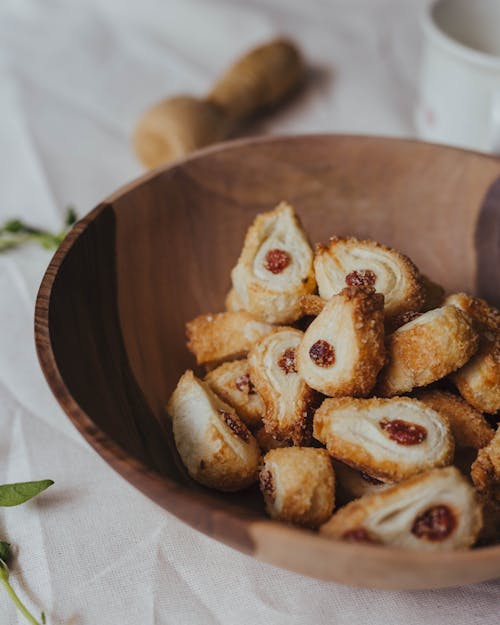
(14, 495)
(15, 232)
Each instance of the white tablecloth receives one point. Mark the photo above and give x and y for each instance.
(74, 76)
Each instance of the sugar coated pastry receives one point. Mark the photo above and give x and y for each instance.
(231, 382)
(433, 511)
(311, 304)
(267, 441)
(275, 267)
(225, 336)
(342, 350)
(485, 316)
(486, 469)
(347, 261)
(390, 439)
(468, 425)
(479, 380)
(288, 399)
(352, 484)
(214, 444)
(298, 485)
(426, 349)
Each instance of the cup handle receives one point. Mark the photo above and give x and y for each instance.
(495, 123)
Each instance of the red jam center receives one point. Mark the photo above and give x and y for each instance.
(322, 353)
(403, 432)
(244, 384)
(435, 524)
(236, 426)
(287, 361)
(363, 277)
(276, 261)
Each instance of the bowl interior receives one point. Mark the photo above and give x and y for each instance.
(112, 307)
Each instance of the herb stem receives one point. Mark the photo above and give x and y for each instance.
(19, 604)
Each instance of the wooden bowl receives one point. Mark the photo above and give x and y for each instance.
(112, 305)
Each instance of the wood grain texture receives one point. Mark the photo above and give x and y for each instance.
(109, 321)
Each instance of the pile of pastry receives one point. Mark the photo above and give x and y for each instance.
(316, 389)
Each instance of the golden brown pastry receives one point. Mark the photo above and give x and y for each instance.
(433, 511)
(390, 439)
(288, 399)
(485, 316)
(266, 441)
(479, 380)
(231, 382)
(426, 349)
(351, 484)
(298, 485)
(343, 349)
(468, 425)
(275, 267)
(312, 304)
(486, 469)
(214, 444)
(347, 261)
(225, 336)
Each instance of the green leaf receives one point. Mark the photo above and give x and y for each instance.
(71, 216)
(16, 226)
(5, 551)
(15, 494)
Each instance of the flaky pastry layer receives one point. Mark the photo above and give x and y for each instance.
(390, 439)
(433, 511)
(298, 485)
(215, 446)
(343, 349)
(275, 267)
(220, 337)
(426, 349)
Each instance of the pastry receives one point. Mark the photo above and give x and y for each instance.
(485, 471)
(231, 382)
(351, 484)
(347, 261)
(233, 302)
(288, 400)
(479, 380)
(266, 441)
(298, 485)
(311, 304)
(215, 446)
(225, 336)
(426, 349)
(390, 439)
(486, 317)
(468, 425)
(342, 350)
(433, 511)
(275, 267)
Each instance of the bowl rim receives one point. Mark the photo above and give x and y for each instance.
(134, 470)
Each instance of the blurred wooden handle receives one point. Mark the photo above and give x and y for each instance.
(176, 126)
(258, 80)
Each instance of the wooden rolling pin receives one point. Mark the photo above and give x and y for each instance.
(178, 125)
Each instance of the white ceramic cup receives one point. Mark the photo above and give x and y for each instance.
(459, 99)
